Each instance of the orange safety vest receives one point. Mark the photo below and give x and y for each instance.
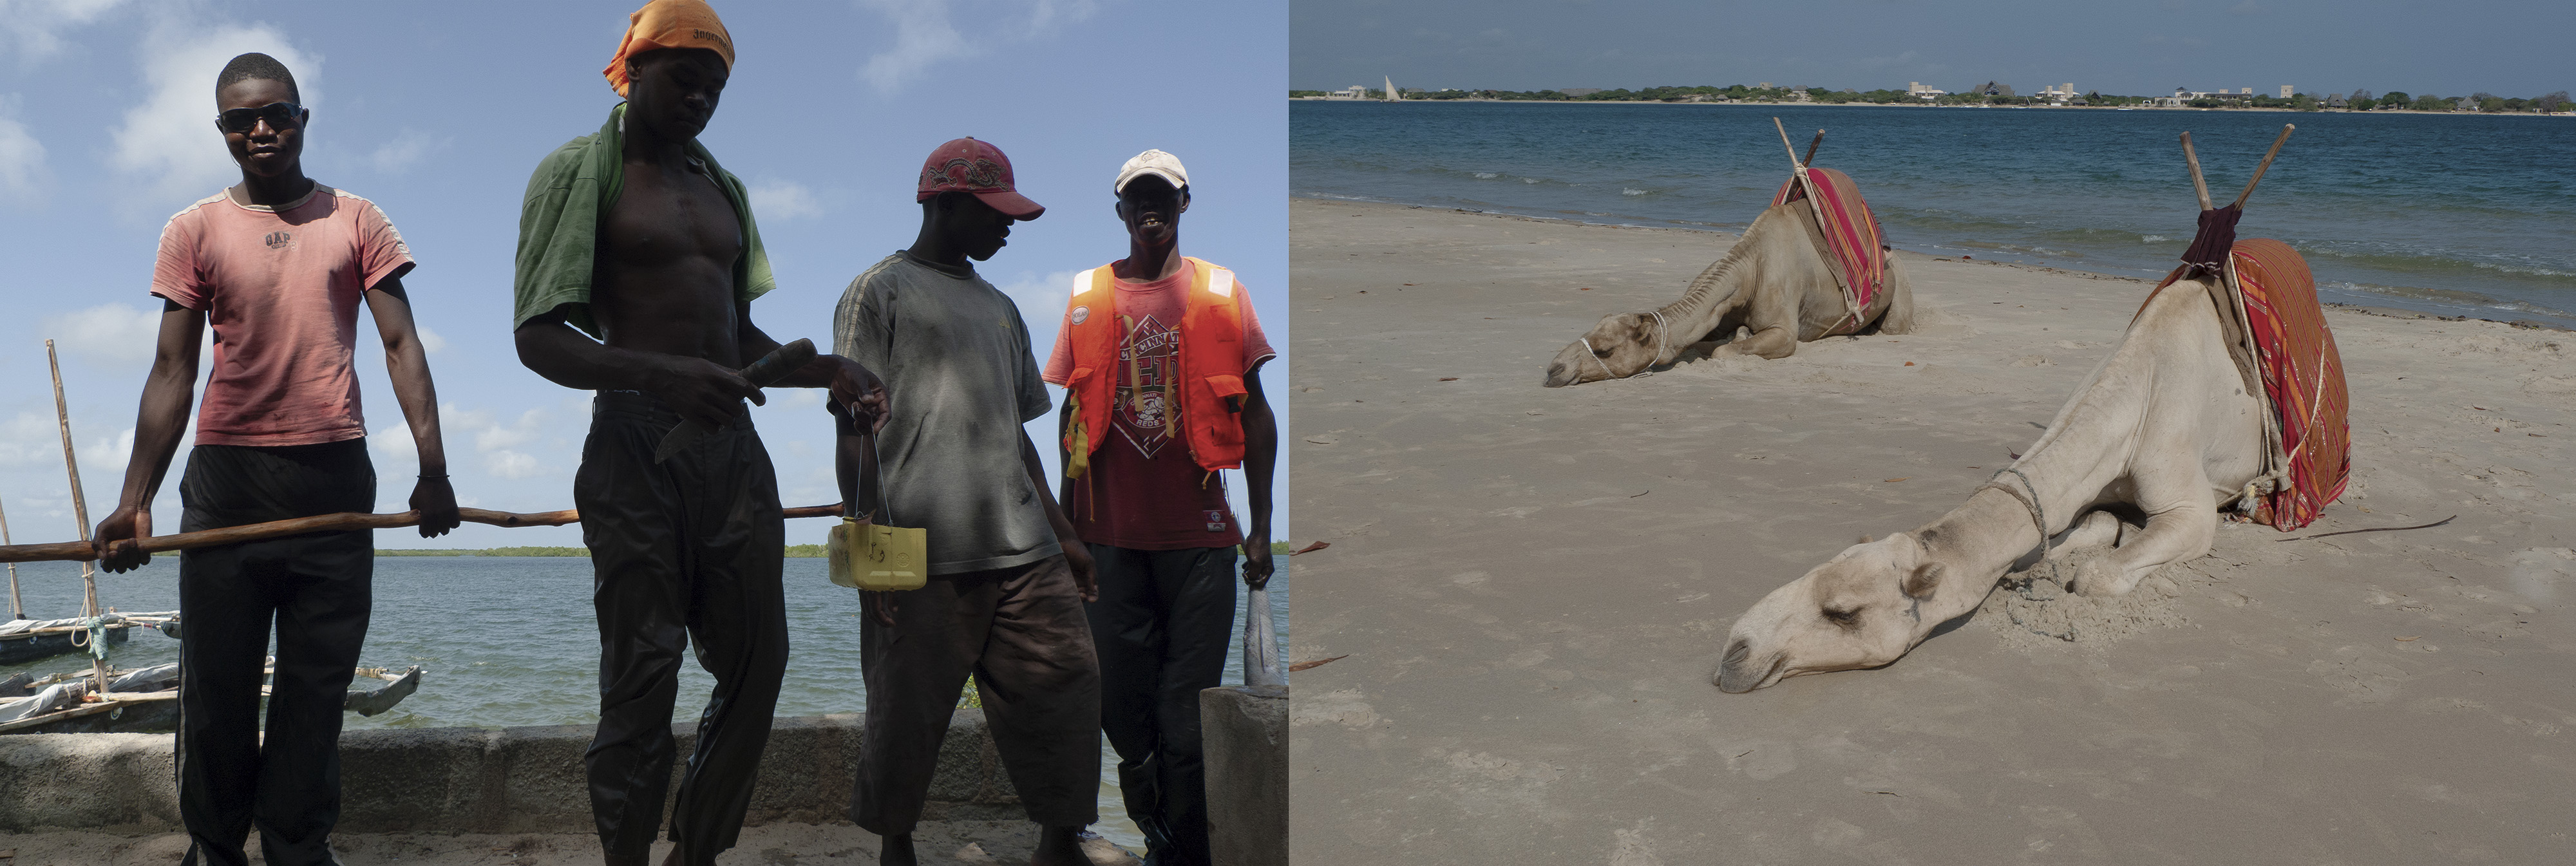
(1211, 360)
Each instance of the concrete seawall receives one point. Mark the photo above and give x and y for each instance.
(478, 780)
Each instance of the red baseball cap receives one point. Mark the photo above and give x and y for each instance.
(967, 165)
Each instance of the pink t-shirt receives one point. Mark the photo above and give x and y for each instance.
(281, 287)
(1144, 492)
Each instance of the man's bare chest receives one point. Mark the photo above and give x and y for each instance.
(666, 218)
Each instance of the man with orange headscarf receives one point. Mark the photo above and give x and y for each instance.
(626, 287)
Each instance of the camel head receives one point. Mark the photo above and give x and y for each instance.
(1863, 608)
(1618, 347)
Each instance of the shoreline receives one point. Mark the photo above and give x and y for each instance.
(1532, 585)
(2368, 309)
(2561, 114)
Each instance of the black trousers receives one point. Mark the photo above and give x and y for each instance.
(684, 551)
(1162, 625)
(1020, 631)
(317, 588)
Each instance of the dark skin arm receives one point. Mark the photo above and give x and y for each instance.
(1260, 459)
(167, 395)
(407, 364)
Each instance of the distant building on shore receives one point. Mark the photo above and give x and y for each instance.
(2285, 91)
(1356, 91)
(1991, 88)
(2058, 93)
(1918, 91)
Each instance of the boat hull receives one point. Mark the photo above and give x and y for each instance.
(30, 647)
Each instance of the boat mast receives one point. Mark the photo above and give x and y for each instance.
(16, 609)
(80, 512)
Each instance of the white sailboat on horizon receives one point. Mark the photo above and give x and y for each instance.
(1391, 94)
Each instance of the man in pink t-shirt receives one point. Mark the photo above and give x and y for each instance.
(277, 266)
(1149, 509)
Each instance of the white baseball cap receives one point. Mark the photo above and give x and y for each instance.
(1153, 162)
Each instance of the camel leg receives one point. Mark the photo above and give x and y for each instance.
(2182, 520)
(1899, 318)
(2096, 529)
(1774, 343)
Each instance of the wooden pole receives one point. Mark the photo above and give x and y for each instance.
(80, 514)
(16, 609)
(1794, 164)
(2267, 164)
(2197, 185)
(1811, 148)
(75, 551)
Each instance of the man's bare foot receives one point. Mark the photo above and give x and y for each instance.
(1059, 846)
(897, 851)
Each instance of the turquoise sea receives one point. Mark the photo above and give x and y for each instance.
(2453, 214)
(512, 641)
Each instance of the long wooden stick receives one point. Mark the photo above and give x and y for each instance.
(1811, 148)
(76, 551)
(2197, 185)
(80, 513)
(2267, 164)
(16, 609)
(1794, 164)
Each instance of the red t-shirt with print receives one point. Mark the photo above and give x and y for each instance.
(1143, 491)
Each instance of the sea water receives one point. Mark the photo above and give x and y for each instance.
(2468, 214)
(511, 641)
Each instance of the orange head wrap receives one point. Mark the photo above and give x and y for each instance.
(669, 24)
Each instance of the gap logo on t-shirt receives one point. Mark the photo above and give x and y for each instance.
(1149, 392)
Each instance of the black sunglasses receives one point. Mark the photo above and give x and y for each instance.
(278, 115)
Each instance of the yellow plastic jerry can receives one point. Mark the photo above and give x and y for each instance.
(878, 558)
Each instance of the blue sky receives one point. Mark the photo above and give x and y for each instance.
(438, 112)
(2133, 48)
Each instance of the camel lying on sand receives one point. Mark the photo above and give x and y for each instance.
(1775, 282)
(2173, 426)
(2164, 427)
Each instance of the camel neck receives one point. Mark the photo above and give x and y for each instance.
(1975, 544)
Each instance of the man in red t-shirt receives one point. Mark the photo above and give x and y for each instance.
(278, 267)
(1168, 346)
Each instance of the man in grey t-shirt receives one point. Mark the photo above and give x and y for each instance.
(1008, 577)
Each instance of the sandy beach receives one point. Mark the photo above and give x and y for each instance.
(1532, 585)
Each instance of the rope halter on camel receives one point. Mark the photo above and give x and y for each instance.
(1661, 346)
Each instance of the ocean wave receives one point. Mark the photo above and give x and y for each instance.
(1486, 175)
(2152, 239)
(1630, 190)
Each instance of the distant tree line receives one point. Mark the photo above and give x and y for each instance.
(2360, 100)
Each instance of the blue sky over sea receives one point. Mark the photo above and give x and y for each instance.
(438, 114)
(2510, 48)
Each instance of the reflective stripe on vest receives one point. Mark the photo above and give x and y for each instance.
(1210, 355)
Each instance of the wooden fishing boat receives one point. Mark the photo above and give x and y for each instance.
(146, 701)
(28, 640)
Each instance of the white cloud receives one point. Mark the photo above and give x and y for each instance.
(1041, 300)
(924, 36)
(111, 453)
(115, 336)
(511, 464)
(779, 201)
(39, 24)
(406, 149)
(23, 176)
(430, 341)
(31, 439)
(494, 437)
(168, 144)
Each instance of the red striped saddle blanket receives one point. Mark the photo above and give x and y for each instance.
(2280, 331)
(1852, 238)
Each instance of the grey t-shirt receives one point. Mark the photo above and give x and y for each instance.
(957, 365)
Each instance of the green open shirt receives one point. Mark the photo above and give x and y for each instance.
(559, 225)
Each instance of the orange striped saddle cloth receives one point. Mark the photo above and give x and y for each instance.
(2278, 328)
